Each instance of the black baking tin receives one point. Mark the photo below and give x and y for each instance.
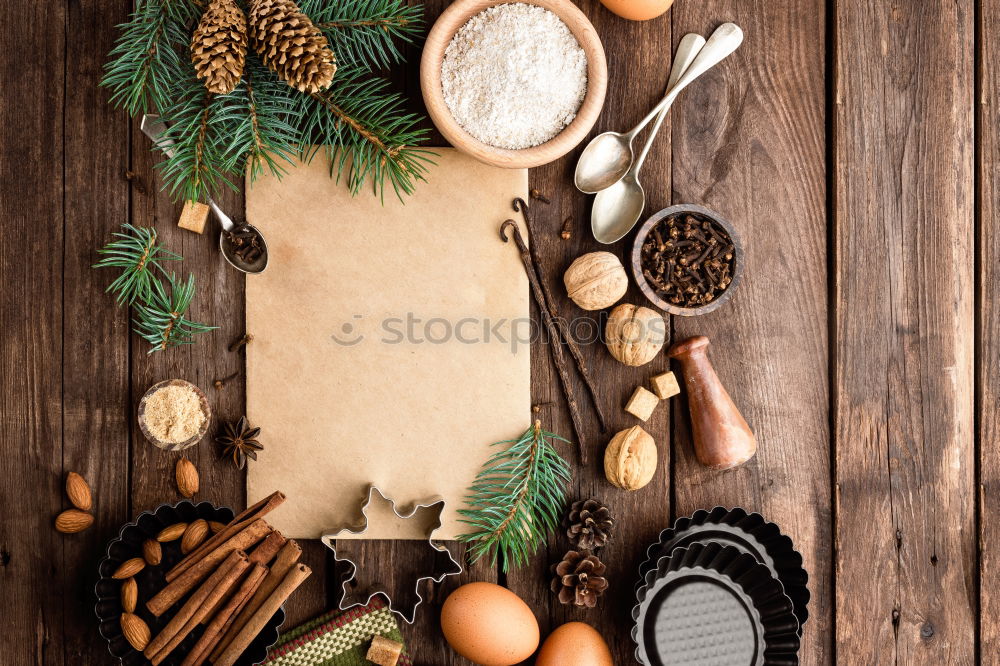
(150, 580)
(749, 532)
(713, 604)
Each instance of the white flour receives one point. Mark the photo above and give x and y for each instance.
(514, 76)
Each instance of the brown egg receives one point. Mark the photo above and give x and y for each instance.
(638, 10)
(489, 625)
(574, 644)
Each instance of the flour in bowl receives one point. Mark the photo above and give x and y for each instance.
(514, 76)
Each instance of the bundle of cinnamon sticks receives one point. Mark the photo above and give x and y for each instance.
(239, 577)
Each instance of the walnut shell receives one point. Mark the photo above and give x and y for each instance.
(630, 459)
(635, 335)
(596, 280)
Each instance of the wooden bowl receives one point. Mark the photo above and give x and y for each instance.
(440, 36)
(175, 446)
(650, 292)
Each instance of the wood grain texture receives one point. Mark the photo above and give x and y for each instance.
(749, 143)
(903, 335)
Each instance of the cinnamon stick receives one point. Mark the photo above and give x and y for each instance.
(249, 631)
(262, 554)
(225, 617)
(190, 607)
(180, 586)
(287, 557)
(236, 525)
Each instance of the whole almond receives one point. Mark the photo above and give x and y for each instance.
(72, 521)
(194, 535)
(216, 526)
(130, 595)
(187, 477)
(129, 568)
(136, 631)
(151, 552)
(171, 533)
(78, 491)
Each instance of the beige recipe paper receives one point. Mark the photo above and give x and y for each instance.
(390, 342)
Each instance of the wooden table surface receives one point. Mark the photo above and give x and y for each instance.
(853, 143)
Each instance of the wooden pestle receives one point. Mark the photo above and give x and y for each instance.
(722, 438)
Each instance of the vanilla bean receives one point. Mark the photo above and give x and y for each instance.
(581, 364)
(556, 344)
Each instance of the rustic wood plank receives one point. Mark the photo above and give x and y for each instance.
(31, 320)
(639, 515)
(96, 340)
(903, 334)
(749, 142)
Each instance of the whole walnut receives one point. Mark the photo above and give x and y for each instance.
(634, 334)
(630, 459)
(596, 280)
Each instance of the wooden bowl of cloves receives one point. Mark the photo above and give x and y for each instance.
(687, 260)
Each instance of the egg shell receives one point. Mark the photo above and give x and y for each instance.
(575, 643)
(638, 10)
(489, 625)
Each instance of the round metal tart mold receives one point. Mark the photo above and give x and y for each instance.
(713, 604)
(750, 533)
(128, 544)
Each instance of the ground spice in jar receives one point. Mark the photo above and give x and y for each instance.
(173, 414)
(688, 260)
(514, 76)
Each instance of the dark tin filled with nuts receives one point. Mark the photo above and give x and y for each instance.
(687, 260)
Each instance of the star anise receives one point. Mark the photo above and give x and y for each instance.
(240, 442)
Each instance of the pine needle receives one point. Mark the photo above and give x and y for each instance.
(137, 253)
(161, 321)
(517, 498)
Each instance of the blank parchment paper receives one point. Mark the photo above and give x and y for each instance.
(391, 342)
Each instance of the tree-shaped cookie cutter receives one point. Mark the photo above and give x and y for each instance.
(444, 563)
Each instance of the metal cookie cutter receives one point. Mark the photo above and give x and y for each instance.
(444, 564)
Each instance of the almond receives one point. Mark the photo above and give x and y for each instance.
(78, 491)
(216, 526)
(129, 568)
(136, 631)
(72, 521)
(194, 535)
(171, 533)
(187, 477)
(151, 552)
(130, 595)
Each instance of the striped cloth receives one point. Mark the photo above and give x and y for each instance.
(339, 638)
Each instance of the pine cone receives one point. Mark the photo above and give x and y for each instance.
(588, 524)
(291, 45)
(219, 46)
(579, 579)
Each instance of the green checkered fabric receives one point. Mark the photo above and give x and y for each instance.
(340, 638)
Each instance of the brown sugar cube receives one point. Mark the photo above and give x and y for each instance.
(665, 385)
(642, 403)
(193, 217)
(384, 652)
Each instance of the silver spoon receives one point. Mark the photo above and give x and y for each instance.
(155, 128)
(617, 208)
(608, 156)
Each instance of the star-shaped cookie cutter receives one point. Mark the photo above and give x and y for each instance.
(447, 566)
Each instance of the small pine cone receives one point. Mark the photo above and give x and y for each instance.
(219, 46)
(588, 524)
(291, 45)
(579, 579)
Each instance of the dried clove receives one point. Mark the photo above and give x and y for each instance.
(538, 196)
(245, 242)
(221, 382)
(567, 229)
(241, 341)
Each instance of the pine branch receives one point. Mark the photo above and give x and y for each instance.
(516, 499)
(150, 53)
(136, 252)
(161, 320)
(366, 33)
(365, 131)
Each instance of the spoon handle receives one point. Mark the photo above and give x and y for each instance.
(689, 48)
(726, 39)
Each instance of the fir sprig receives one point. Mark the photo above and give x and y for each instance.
(366, 33)
(517, 498)
(161, 320)
(137, 253)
